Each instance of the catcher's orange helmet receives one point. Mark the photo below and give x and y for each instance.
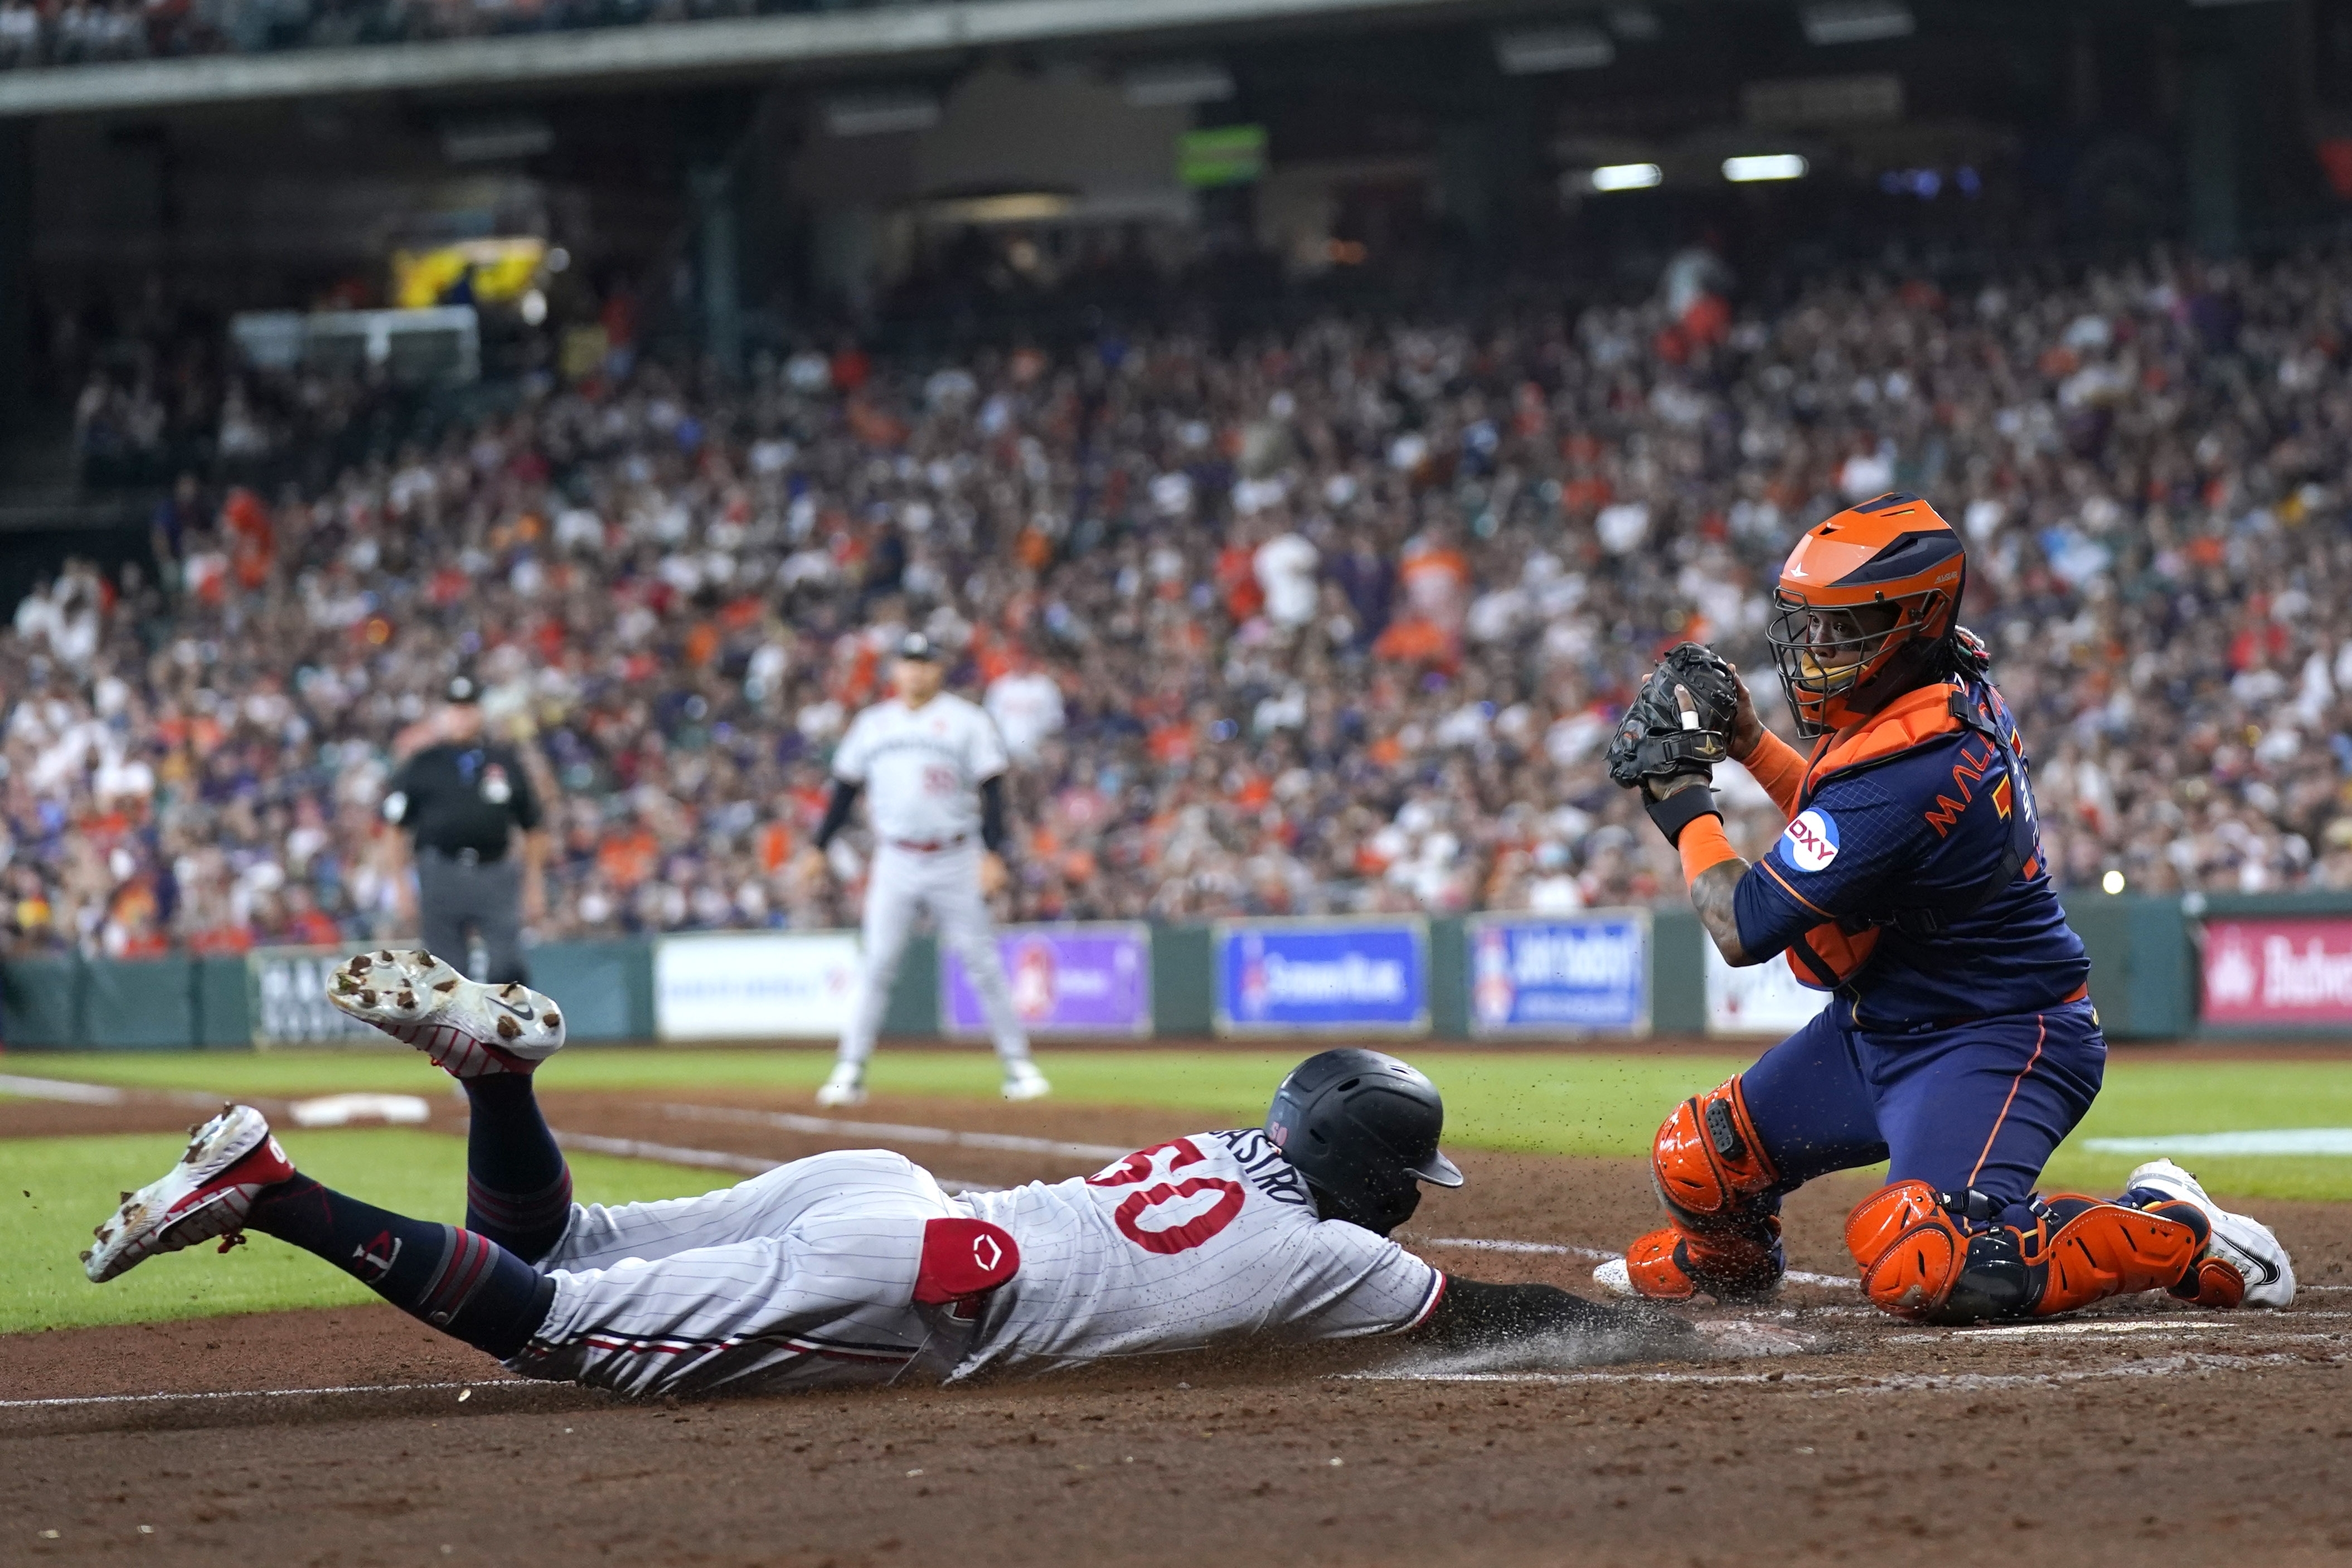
(1863, 605)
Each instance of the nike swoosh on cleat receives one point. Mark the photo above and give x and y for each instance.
(2270, 1269)
(524, 1012)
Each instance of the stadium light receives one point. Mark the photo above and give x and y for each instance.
(1765, 166)
(1175, 84)
(1533, 51)
(1624, 177)
(1008, 207)
(1857, 22)
(876, 113)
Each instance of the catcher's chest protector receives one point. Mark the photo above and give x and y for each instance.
(1835, 951)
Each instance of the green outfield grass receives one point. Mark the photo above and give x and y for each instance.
(1541, 1103)
(54, 1190)
(1534, 1102)
(1538, 1102)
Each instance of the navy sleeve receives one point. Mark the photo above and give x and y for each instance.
(1837, 861)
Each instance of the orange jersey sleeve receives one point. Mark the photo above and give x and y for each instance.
(1780, 769)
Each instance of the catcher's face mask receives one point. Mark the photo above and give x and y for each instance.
(1863, 596)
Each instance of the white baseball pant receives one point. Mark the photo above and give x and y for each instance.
(947, 882)
(800, 1277)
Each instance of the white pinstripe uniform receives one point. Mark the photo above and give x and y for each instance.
(804, 1276)
(922, 769)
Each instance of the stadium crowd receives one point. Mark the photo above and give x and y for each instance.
(81, 32)
(1333, 620)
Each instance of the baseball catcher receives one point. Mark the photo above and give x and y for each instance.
(1959, 1043)
(857, 1267)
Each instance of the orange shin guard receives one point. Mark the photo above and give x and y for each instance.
(1655, 1268)
(1722, 1236)
(2099, 1250)
(1918, 1261)
(1674, 1264)
(2214, 1282)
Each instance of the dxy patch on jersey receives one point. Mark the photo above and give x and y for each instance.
(1811, 842)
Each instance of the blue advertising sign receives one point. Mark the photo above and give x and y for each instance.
(1284, 976)
(1560, 974)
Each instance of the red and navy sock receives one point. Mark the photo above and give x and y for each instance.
(462, 1283)
(518, 1188)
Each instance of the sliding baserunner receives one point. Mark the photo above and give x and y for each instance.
(857, 1267)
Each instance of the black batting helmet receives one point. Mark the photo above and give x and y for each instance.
(1362, 1127)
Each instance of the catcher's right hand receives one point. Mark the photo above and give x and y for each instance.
(1680, 723)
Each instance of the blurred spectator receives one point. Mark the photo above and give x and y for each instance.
(1334, 622)
(76, 32)
(1026, 703)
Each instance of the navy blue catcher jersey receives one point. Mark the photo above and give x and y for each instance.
(1924, 829)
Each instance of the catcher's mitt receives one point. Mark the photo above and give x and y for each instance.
(1655, 741)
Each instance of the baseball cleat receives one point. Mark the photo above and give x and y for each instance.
(2240, 1246)
(208, 1193)
(468, 1029)
(1023, 1082)
(846, 1086)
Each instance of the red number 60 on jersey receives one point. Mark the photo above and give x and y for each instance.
(1180, 1196)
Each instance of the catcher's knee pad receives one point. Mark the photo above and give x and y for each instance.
(1674, 1264)
(2085, 1250)
(1711, 1168)
(1919, 1261)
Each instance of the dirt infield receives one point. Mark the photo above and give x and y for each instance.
(2152, 1433)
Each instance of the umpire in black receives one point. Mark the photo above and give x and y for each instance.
(466, 803)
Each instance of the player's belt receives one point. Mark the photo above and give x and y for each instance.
(928, 846)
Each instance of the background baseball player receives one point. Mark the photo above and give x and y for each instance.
(856, 1267)
(932, 768)
(1962, 1045)
(466, 803)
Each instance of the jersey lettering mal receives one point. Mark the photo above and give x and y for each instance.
(1202, 1239)
(922, 768)
(1927, 826)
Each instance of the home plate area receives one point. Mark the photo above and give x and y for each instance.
(1812, 1429)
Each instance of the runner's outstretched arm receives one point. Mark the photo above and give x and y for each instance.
(1471, 1312)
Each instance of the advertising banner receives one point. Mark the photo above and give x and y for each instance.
(1087, 979)
(2295, 973)
(1761, 999)
(1289, 977)
(286, 992)
(1578, 974)
(755, 985)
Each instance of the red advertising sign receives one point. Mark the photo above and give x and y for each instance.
(2292, 972)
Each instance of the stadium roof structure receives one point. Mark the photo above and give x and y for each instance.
(827, 44)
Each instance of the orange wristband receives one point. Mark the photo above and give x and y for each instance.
(1704, 847)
